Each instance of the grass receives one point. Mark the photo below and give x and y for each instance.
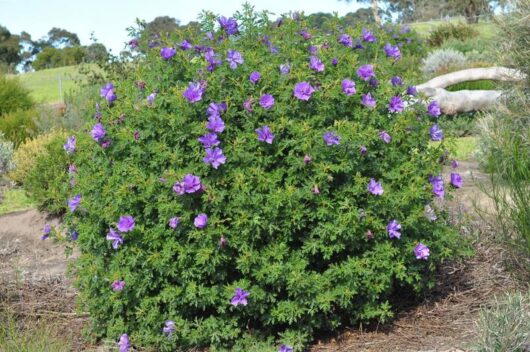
(45, 84)
(464, 147)
(487, 29)
(14, 199)
(30, 336)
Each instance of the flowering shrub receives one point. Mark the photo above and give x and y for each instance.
(275, 187)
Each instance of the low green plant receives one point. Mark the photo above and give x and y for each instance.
(17, 126)
(505, 325)
(459, 31)
(47, 182)
(443, 60)
(291, 218)
(13, 96)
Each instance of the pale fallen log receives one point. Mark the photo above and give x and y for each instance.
(467, 100)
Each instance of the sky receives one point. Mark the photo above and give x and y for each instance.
(108, 19)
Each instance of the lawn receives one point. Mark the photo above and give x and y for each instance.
(487, 29)
(14, 199)
(46, 85)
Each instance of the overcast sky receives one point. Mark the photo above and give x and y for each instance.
(109, 18)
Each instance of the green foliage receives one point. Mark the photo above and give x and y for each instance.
(443, 32)
(51, 57)
(483, 84)
(505, 325)
(13, 96)
(47, 182)
(6, 154)
(305, 258)
(14, 199)
(18, 126)
(459, 125)
(9, 49)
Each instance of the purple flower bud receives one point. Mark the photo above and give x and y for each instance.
(307, 159)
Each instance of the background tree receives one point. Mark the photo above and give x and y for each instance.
(9, 50)
(162, 25)
(58, 37)
(96, 52)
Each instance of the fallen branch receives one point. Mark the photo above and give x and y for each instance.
(467, 100)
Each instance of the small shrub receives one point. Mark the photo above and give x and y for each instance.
(48, 182)
(443, 59)
(13, 96)
(290, 216)
(505, 326)
(19, 125)
(6, 155)
(27, 153)
(443, 32)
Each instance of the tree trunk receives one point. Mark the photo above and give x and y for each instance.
(467, 100)
(375, 12)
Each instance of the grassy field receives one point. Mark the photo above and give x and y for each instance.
(14, 199)
(45, 85)
(487, 29)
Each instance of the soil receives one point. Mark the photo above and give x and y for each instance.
(33, 283)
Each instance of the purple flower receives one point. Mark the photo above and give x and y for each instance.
(305, 34)
(315, 190)
(108, 93)
(421, 251)
(178, 188)
(411, 90)
(247, 105)
(167, 53)
(47, 230)
(396, 81)
(133, 43)
(126, 223)
(69, 146)
(367, 100)
(191, 183)
(454, 164)
(312, 49)
(265, 134)
(429, 213)
(346, 40)
(194, 92)
(375, 187)
(105, 144)
(151, 98)
(385, 137)
(331, 138)
(433, 109)
(436, 133)
(209, 140)
(216, 109)
(214, 157)
(215, 124)
(363, 150)
(303, 91)
(404, 29)
(124, 344)
(285, 348)
(393, 229)
(437, 186)
(115, 237)
(254, 77)
(136, 135)
(234, 58)
(174, 222)
(73, 202)
(348, 87)
(169, 327)
(75, 235)
(456, 180)
(185, 45)
(396, 104)
(307, 159)
(200, 221)
(212, 59)
(117, 285)
(285, 69)
(368, 36)
(229, 25)
(335, 61)
(240, 297)
(316, 64)
(365, 72)
(392, 51)
(266, 101)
